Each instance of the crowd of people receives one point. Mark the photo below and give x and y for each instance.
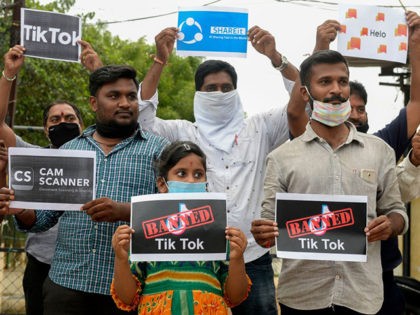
(79, 262)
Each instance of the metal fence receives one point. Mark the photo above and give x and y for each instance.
(12, 265)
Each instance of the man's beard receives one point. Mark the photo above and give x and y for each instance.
(114, 130)
(363, 127)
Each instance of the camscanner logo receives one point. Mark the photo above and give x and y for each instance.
(22, 178)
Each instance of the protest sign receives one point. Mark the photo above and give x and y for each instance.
(321, 227)
(51, 179)
(212, 31)
(50, 35)
(178, 227)
(373, 32)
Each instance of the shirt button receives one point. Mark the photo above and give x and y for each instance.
(94, 250)
(95, 226)
(105, 160)
(227, 188)
(226, 166)
(337, 277)
(102, 180)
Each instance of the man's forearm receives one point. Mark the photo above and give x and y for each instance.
(151, 81)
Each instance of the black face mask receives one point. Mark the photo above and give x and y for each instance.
(62, 133)
(363, 128)
(115, 131)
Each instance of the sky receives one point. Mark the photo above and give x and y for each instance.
(292, 23)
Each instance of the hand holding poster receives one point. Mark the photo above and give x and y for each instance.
(321, 227)
(50, 179)
(50, 35)
(178, 227)
(212, 31)
(373, 32)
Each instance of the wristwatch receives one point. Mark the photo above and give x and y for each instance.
(284, 63)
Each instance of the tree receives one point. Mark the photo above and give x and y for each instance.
(43, 81)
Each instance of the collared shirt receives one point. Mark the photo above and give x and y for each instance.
(409, 179)
(309, 165)
(239, 173)
(84, 259)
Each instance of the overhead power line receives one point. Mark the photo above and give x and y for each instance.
(307, 3)
(150, 16)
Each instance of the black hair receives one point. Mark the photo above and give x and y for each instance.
(173, 153)
(214, 66)
(46, 112)
(109, 74)
(319, 57)
(357, 88)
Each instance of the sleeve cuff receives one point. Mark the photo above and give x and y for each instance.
(154, 100)
(120, 304)
(229, 303)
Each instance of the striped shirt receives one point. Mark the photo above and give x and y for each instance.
(84, 258)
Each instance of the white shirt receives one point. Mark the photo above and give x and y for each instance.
(240, 173)
(408, 179)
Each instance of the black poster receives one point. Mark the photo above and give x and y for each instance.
(50, 35)
(51, 179)
(170, 227)
(321, 227)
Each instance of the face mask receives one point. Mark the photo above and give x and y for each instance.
(184, 187)
(62, 133)
(219, 117)
(330, 114)
(115, 131)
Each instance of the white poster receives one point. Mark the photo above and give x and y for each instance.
(373, 32)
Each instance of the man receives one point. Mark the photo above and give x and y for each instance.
(397, 134)
(341, 157)
(408, 172)
(235, 147)
(62, 122)
(82, 267)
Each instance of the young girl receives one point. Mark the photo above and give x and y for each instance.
(187, 287)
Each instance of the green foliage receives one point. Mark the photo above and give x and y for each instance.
(42, 81)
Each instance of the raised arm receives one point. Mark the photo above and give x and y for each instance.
(165, 42)
(325, 34)
(13, 61)
(265, 44)
(413, 106)
(408, 172)
(88, 57)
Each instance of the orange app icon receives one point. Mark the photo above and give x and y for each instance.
(351, 13)
(401, 30)
(364, 31)
(402, 47)
(354, 43)
(343, 29)
(382, 49)
(380, 16)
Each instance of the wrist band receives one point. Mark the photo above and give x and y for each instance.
(7, 78)
(156, 59)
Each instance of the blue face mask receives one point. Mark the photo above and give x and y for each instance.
(184, 187)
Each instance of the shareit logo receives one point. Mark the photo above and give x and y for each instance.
(190, 31)
(22, 178)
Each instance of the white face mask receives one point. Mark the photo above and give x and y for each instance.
(219, 117)
(330, 114)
